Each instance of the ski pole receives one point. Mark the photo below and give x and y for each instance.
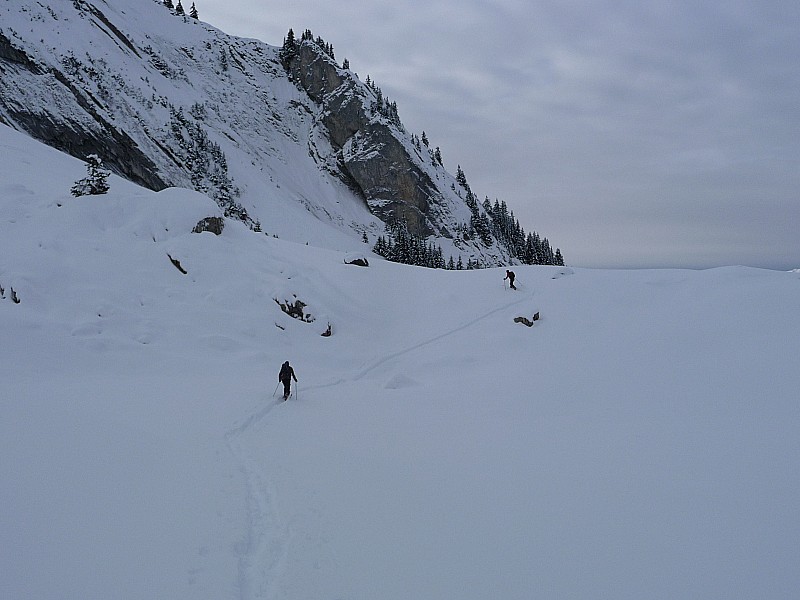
(276, 389)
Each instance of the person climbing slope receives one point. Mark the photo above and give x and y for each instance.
(285, 377)
(510, 276)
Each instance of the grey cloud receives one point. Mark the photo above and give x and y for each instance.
(650, 133)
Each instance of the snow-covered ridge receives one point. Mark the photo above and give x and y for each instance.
(166, 100)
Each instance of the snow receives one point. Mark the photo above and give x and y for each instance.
(639, 441)
(139, 60)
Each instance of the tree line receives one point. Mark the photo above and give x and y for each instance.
(179, 10)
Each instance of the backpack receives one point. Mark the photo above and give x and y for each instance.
(286, 372)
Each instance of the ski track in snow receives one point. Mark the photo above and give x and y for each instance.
(393, 355)
(264, 548)
(262, 552)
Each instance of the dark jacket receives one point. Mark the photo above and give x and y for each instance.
(287, 373)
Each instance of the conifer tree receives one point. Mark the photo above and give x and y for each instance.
(95, 182)
(289, 49)
(168, 4)
(179, 9)
(193, 12)
(462, 179)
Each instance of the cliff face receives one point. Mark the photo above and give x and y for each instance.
(167, 100)
(42, 101)
(373, 152)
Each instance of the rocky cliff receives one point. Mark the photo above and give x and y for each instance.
(275, 138)
(372, 151)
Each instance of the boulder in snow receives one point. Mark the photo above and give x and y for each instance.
(212, 224)
(356, 258)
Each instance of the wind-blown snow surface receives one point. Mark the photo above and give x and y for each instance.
(640, 441)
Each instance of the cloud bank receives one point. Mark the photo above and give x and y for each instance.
(631, 135)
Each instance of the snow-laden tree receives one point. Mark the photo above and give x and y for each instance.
(96, 180)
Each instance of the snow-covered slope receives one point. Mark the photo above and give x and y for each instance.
(639, 441)
(167, 100)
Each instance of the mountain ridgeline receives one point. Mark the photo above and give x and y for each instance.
(282, 138)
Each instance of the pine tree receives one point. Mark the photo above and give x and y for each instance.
(179, 9)
(95, 182)
(168, 4)
(289, 49)
(346, 65)
(193, 12)
(462, 179)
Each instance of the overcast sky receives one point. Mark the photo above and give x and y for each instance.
(629, 133)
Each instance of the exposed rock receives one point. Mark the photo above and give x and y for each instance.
(213, 224)
(177, 264)
(295, 309)
(373, 158)
(356, 259)
(396, 190)
(526, 321)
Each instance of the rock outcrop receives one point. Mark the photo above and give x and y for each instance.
(372, 152)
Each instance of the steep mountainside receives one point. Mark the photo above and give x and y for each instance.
(273, 136)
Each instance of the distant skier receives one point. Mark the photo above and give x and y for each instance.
(510, 276)
(285, 377)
